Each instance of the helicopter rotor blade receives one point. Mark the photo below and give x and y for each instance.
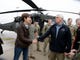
(15, 11)
(39, 10)
(22, 11)
(63, 11)
(31, 3)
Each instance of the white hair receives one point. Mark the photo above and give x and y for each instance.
(59, 15)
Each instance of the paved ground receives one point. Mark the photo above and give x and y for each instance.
(8, 47)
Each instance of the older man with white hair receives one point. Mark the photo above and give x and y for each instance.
(60, 42)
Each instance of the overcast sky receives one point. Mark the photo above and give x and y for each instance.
(62, 5)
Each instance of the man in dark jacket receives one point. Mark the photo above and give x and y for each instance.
(23, 40)
(76, 43)
(77, 38)
(60, 39)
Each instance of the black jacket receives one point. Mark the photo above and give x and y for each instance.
(60, 44)
(77, 39)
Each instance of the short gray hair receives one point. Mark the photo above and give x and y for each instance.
(59, 15)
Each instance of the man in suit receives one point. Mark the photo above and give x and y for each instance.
(60, 43)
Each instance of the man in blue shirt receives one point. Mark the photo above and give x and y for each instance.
(60, 39)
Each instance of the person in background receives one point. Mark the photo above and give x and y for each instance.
(76, 43)
(76, 27)
(1, 48)
(31, 31)
(72, 30)
(60, 43)
(23, 38)
(37, 28)
(46, 41)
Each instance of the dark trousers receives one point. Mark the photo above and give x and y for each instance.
(1, 49)
(17, 52)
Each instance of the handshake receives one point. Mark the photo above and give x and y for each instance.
(35, 41)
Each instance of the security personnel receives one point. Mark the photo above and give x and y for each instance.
(72, 30)
(77, 24)
(76, 44)
(37, 28)
(31, 32)
(46, 41)
(76, 27)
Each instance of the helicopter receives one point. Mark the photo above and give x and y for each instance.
(40, 17)
(17, 20)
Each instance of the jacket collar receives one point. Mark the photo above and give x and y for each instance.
(59, 25)
(23, 25)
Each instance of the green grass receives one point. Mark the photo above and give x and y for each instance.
(7, 38)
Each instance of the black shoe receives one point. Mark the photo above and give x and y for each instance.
(38, 50)
(32, 57)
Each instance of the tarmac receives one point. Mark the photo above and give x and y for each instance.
(9, 38)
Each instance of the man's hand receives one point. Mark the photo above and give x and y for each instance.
(74, 50)
(34, 41)
(71, 54)
(36, 34)
(66, 54)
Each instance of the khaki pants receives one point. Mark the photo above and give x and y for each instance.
(56, 56)
(46, 41)
(38, 46)
(67, 58)
(31, 50)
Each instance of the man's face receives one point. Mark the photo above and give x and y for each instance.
(28, 20)
(58, 20)
(49, 21)
(70, 21)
